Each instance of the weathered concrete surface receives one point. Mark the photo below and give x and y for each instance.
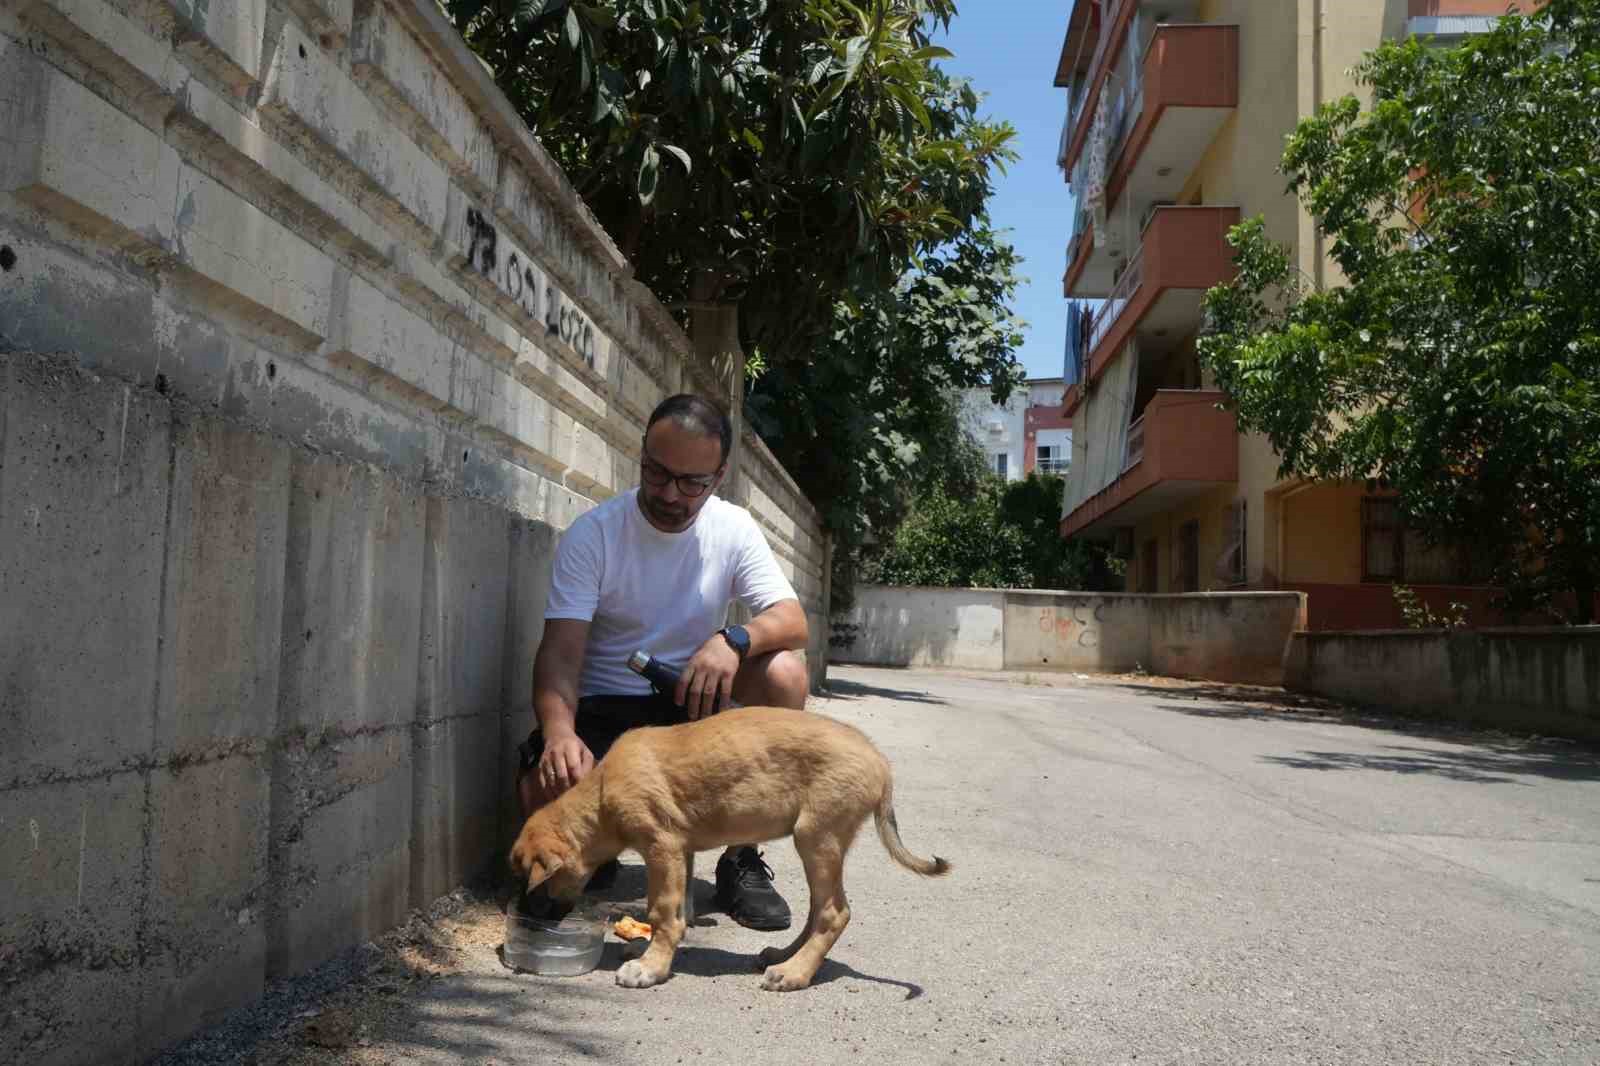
(1240, 637)
(1531, 679)
(70, 918)
(1225, 636)
(308, 353)
(83, 515)
(925, 627)
(1144, 871)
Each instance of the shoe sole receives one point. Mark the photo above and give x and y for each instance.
(765, 925)
(762, 926)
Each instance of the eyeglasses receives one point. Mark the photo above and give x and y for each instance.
(690, 485)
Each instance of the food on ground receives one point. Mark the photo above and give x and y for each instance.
(631, 928)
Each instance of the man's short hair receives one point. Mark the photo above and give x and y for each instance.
(697, 415)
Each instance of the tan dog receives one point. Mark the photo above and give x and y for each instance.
(750, 775)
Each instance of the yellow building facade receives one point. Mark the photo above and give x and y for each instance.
(1176, 117)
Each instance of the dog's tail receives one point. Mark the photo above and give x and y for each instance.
(889, 833)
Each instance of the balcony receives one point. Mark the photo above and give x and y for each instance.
(1183, 251)
(1055, 467)
(1134, 452)
(1181, 446)
(1095, 37)
(1187, 87)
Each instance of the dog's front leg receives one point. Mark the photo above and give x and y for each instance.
(668, 875)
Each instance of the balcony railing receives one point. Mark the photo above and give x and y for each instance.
(1057, 467)
(1082, 100)
(1134, 453)
(1184, 439)
(1080, 229)
(1121, 293)
(1180, 247)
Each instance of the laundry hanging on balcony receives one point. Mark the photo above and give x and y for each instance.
(1075, 341)
(1095, 181)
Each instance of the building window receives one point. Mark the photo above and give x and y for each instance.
(1391, 552)
(1150, 567)
(1231, 569)
(1382, 539)
(1000, 460)
(1186, 560)
(1052, 459)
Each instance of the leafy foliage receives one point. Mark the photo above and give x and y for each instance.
(1460, 363)
(955, 543)
(1032, 506)
(874, 414)
(776, 154)
(1419, 615)
(1004, 535)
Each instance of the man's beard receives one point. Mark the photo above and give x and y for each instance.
(666, 514)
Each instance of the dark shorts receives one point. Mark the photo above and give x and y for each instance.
(602, 719)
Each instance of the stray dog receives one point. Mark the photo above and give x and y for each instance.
(740, 777)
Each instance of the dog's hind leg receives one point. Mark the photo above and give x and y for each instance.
(774, 955)
(667, 868)
(822, 851)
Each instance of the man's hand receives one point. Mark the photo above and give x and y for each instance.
(565, 758)
(708, 676)
(565, 761)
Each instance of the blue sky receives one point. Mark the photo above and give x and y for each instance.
(1008, 50)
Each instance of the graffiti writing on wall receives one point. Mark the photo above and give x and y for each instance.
(1077, 623)
(535, 294)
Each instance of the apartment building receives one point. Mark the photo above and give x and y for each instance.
(1176, 116)
(1029, 432)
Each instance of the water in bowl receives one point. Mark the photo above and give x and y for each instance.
(565, 946)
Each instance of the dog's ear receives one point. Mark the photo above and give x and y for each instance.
(542, 868)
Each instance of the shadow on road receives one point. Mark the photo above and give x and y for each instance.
(1234, 701)
(1476, 755)
(695, 961)
(1480, 764)
(475, 1018)
(854, 690)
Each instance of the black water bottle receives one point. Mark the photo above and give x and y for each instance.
(665, 678)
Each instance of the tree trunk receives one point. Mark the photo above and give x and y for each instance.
(714, 329)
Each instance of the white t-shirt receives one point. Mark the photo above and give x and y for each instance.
(664, 593)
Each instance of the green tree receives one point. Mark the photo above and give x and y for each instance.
(1032, 506)
(956, 543)
(873, 417)
(1460, 360)
(1001, 535)
(774, 156)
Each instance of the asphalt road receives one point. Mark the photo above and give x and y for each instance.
(1144, 873)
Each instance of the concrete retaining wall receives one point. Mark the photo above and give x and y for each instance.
(926, 627)
(1240, 637)
(308, 353)
(1544, 680)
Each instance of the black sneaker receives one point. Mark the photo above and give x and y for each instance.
(745, 892)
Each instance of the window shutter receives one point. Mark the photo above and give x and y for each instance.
(1231, 563)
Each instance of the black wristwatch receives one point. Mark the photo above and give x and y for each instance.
(738, 638)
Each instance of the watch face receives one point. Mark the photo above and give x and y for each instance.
(737, 636)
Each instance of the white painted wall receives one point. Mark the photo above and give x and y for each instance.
(1224, 636)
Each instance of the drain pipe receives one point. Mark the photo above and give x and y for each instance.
(1319, 38)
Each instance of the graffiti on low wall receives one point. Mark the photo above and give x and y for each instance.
(1076, 623)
